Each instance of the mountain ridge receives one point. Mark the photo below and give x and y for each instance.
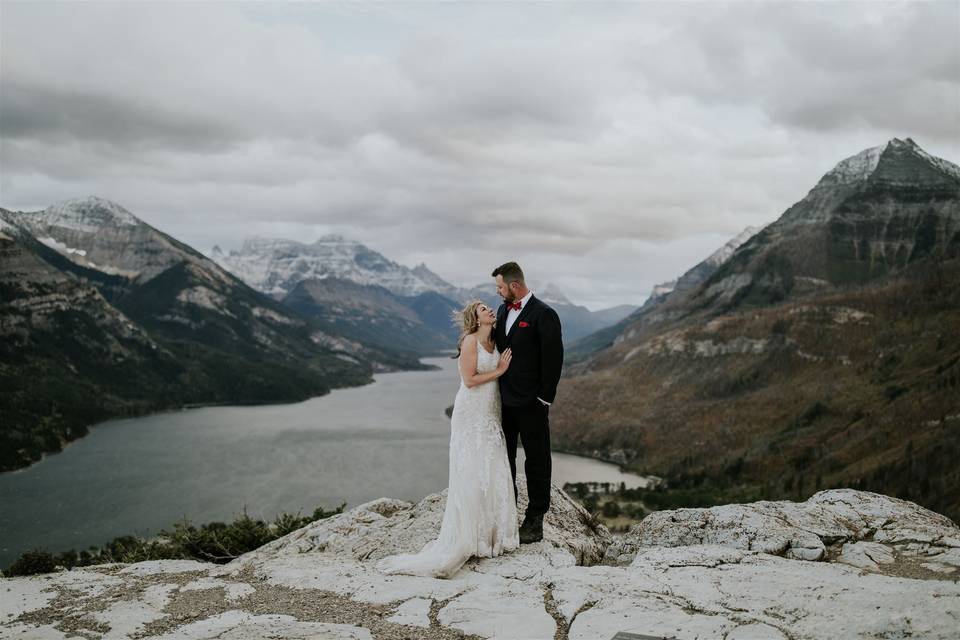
(92, 277)
(823, 352)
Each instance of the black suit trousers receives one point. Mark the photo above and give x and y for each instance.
(532, 425)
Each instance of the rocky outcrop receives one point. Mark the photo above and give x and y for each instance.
(718, 573)
(859, 528)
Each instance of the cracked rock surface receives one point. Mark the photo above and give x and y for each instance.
(842, 564)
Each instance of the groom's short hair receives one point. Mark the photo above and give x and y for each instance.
(510, 271)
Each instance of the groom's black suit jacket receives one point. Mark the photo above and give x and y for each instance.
(537, 353)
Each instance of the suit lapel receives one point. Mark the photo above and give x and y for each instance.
(523, 314)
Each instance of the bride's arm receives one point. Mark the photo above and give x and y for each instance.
(468, 364)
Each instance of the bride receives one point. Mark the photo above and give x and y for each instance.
(480, 518)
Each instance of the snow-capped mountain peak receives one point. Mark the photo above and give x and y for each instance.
(551, 293)
(723, 254)
(276, 266)
(86, 214)
(859, 167)
(855, 168)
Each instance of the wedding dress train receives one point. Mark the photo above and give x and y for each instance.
(480, 518)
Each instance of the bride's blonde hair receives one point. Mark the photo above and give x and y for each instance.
(467, 321)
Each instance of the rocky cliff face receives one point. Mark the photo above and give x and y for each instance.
(869, 217)
(844, 564)
(102, 235)
(823, 352)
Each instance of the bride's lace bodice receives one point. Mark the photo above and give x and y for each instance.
(484, 398)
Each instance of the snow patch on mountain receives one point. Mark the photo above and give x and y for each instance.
(663, 288)
(53, 243)
(723, 254)
(855, 168)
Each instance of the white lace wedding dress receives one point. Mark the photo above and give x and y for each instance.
(480, 518)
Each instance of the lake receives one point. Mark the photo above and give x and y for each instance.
(140, 475)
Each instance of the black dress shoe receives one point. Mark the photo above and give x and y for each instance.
(531, 530)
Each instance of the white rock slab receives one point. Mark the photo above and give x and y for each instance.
(24, 594)
(126, 617)
(698, 555)
(414, 612)
(798, 530)
(354, 579)
(241, 625)
(949, 557)
(866, 555)
(506, 611)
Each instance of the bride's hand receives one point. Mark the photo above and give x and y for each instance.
(504, 361)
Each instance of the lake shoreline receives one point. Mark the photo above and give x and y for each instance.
(149, 410)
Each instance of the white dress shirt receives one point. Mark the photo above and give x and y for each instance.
(512, 315)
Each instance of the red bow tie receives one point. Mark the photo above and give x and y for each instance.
(514, 305)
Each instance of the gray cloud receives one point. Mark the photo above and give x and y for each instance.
(577, 136)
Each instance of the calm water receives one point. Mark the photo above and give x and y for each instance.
(140, 475)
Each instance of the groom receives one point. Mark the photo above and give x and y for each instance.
(532, 330)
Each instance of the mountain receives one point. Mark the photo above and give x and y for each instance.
(87, 283)
(872, 215)
(374, 315)
(276, 266)
(67, 357)
(576, 320)
(825, 350)
(614, 325)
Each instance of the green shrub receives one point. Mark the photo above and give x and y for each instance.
(31, 562)
(216, 542)
(611, 509)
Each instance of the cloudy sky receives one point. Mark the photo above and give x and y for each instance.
(606, 147)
